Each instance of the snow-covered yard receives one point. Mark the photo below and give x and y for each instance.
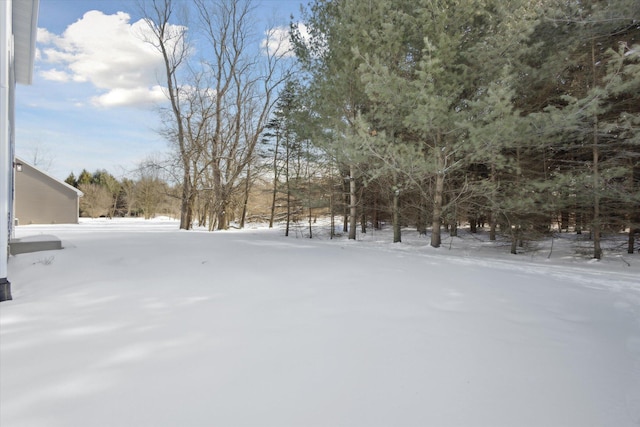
(136, 323)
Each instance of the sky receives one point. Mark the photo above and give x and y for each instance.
(95, 98)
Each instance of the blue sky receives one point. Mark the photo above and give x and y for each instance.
(95, 95)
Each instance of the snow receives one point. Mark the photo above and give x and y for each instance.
(137, 323)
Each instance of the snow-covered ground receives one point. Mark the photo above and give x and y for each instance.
(136, 323)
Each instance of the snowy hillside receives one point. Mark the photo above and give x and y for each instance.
(135, 323)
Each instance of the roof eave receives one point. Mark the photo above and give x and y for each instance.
(25, 30)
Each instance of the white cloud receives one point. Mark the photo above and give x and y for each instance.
(56, 75)
(136, 96)
(110, 53)
(44, 36)
(277, 41)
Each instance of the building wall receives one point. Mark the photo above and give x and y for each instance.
(41, 199)
(7, 85)
(18, 26)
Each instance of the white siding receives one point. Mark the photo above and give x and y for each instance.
(7, 85)
(18, 29)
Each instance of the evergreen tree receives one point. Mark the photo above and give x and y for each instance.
(85, 178)
(588, 121)
(71, 180)
(495, 129)
(113, 187)
(520, 113)
(334, 90)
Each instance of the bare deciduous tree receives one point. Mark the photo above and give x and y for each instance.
(244, 81)
(217, 114)
(171, 41)
(96, 200)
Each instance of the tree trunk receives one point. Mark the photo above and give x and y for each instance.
(352, 204)
(514, 240)
(492, 213)
(452, 220)
(492, 226)
(437, 201)
(564, 220)
(596, 226)
(375, 223)
(273, 205)
(422, 216)
(223, 219)
(579, 222)
(276, 177)
(185, 203)
(634, 212)
(597, 250)
(219, 199)
(288, 189)
(453, 230)
(247, 187)
(333, 216)
(397, 236)
(345, 219)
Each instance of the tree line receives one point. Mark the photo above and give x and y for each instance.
(513, 116)
(148, 194)
(517, 115)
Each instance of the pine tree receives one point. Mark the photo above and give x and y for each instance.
(71, 180)
(495, 129)
(85, 177)
(588, 120)
(334, 90)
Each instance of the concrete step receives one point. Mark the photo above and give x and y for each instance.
(34, 244)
